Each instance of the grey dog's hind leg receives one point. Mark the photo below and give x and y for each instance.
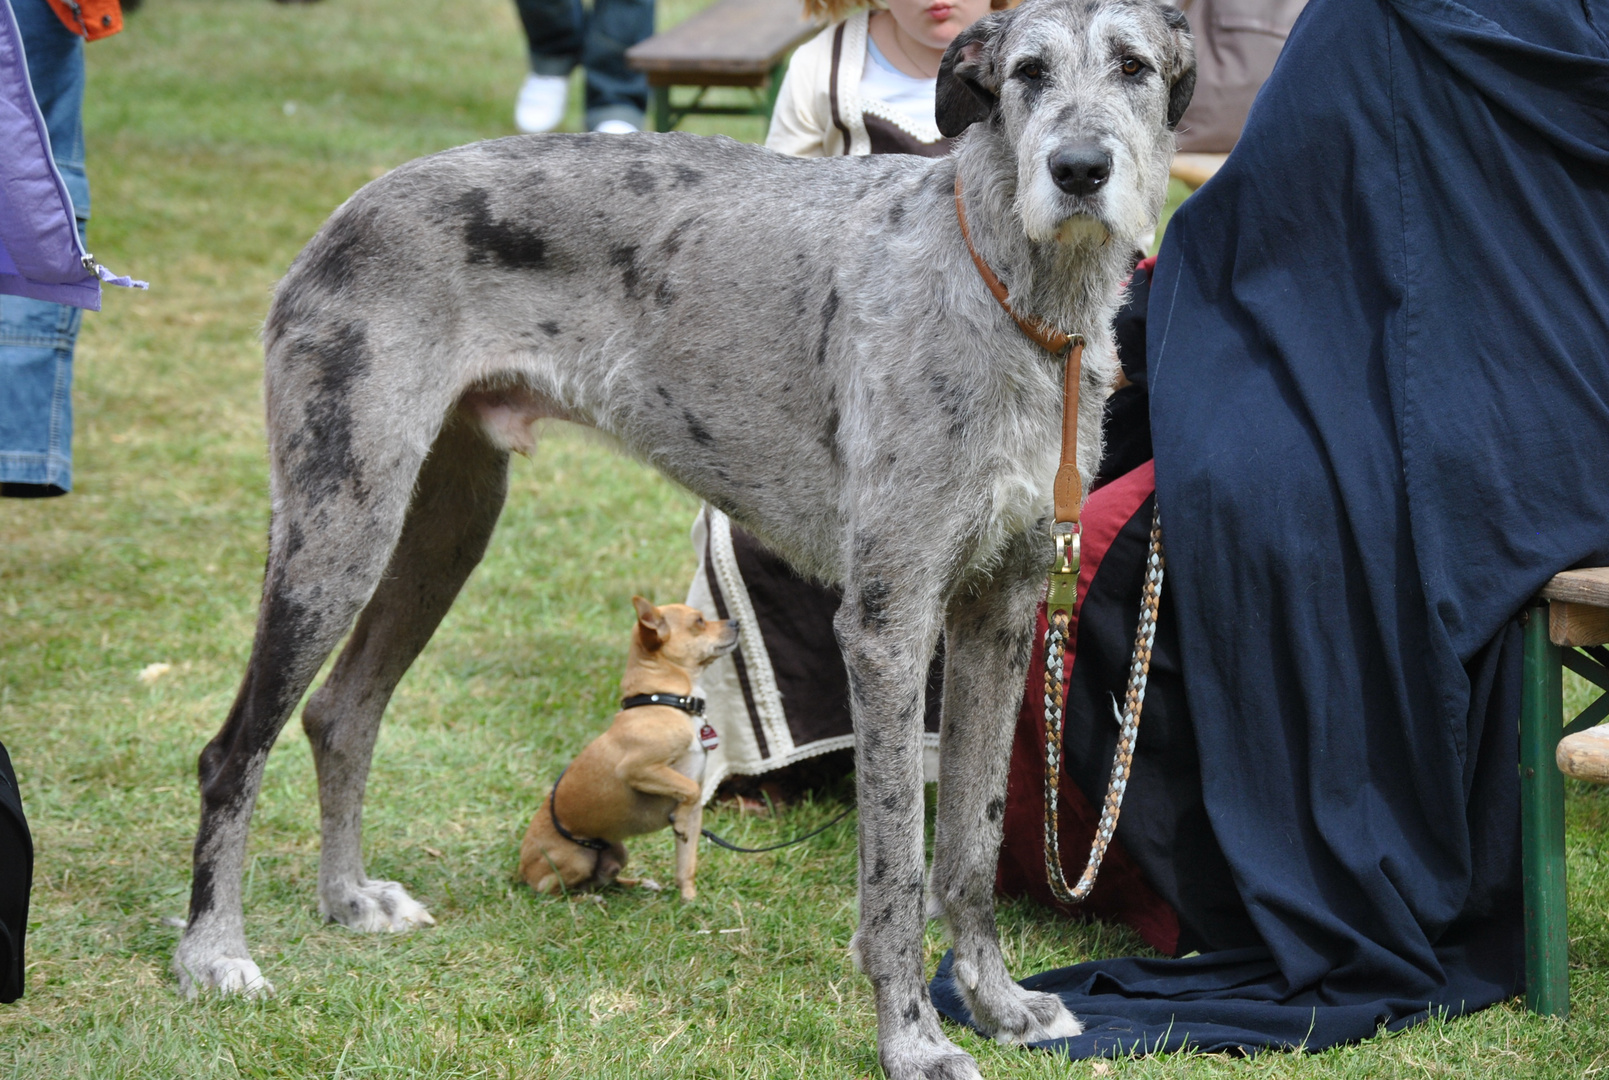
(317, 578)
(296, 629)
(987, 646)
(455, 506)
(888, 639)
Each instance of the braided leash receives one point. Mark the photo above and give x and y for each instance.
(1123, 759)
(1062, 595)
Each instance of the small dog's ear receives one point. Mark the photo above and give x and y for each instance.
(968, 87)
(1182, 77)
(651, 625)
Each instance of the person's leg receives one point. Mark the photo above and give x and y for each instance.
(36, 378)
(552, 34)
(37, 338)
(614, 90)
(56, 70)
(553, 37)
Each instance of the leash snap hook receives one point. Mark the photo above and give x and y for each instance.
(1067, 535)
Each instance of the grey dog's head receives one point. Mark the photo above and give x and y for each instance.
(1087, 94)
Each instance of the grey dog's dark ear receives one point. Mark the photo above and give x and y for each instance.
(968, 85)
(1182, 79)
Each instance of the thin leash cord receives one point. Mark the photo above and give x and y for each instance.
(729, 846)
(1123, 759)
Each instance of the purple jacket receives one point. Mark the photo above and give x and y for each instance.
(40, 253)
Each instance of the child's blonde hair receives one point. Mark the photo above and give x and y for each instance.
(833, 11)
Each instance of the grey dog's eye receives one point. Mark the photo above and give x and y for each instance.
(1030, 69)
(1132, 67)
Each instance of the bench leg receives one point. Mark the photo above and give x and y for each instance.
(1547, 972)
(773, 86)
(661, 106)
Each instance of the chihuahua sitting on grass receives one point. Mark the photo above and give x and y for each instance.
(646, 771)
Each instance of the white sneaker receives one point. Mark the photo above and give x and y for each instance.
(541, 104)
(616, 127)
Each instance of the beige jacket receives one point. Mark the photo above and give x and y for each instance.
(820, 112)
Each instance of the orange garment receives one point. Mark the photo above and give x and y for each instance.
(89, 19)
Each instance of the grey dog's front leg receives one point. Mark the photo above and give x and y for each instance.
(988, 641)
(887, 652)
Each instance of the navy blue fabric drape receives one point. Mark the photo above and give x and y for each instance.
(1379, 374)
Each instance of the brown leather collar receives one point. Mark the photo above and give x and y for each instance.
(1045, 336)
(1069, 485)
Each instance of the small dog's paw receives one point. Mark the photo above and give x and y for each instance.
(376, 907)
(921, 1058)
(226, 975)
(689, 892)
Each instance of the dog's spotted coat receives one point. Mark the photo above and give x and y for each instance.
(804, 343)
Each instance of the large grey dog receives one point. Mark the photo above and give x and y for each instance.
(805, 344)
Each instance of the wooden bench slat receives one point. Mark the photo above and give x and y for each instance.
(1197, 169)
(1580, 586)
(732, 37)
(1585, 755)
(753, 78)
(1573, 625)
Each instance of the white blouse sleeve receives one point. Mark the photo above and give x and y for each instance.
(802, 125)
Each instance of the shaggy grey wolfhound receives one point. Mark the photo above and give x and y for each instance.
(804, 343)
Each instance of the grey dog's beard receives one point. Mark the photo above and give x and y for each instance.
(1083, 230)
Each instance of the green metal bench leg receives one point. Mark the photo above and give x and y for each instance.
(1547, 971)
(661, 106)
(772, 88)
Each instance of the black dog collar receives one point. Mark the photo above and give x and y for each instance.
(553, 812)
(692, 706)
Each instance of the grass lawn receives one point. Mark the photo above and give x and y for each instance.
(221, 133)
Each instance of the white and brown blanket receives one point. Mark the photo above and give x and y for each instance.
(783, 696)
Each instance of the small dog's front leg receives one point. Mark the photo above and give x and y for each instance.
(687, 822)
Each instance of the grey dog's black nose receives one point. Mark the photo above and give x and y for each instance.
(1080, 169)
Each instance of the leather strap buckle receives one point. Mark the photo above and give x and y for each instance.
(1063, 591)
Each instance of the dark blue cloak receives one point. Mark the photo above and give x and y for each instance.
(1379, 373)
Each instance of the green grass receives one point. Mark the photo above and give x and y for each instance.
(207, 184)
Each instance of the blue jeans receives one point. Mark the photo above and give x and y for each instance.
(36, 338)
(562, 34)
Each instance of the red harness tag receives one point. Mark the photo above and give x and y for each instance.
(707, 737)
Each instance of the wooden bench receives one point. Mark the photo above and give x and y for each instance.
(1196, 169)
(1566, 627)
(741, 43)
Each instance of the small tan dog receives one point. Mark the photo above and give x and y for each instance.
(645, 771)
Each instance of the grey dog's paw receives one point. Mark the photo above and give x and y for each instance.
(375, 907)
(924, 1058)
(1026, 1016)
(225, 974)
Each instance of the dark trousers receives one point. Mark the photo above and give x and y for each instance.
(16, 882)
(562, 34)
